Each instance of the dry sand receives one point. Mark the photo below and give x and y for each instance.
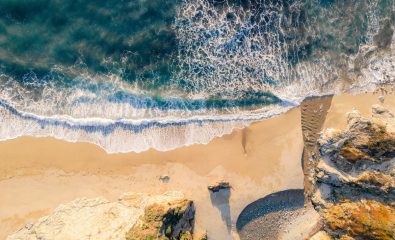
(37, 174)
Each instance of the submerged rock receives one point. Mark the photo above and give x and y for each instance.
(354, 178)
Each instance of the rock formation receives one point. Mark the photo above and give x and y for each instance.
(174, 220)
(354, 178)
(99, 218)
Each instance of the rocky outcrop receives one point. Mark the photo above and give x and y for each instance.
(354, 178)
(365, 219)
(99, 218)
(174, 220)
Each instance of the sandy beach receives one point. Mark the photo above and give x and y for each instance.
(38, 174)
(197, 120)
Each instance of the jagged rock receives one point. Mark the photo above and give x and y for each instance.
(352, 116)
(219, 186)
(364, 144)
(95, 218)
(354, 178)
(169, 221)
(362, 219)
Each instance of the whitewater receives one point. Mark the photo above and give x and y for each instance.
(232, 64)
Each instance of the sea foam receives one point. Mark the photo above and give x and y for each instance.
(234, 64)
(128, 135)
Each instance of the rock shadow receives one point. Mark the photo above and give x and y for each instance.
(220, 200)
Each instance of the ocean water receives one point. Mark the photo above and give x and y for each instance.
(129, 75)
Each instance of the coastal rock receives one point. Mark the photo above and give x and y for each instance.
(365, 219)
(381, 112)
(173, 220)
(219, 186)
(354, 179)
(384, 117)
(164, 178)
(96, 218)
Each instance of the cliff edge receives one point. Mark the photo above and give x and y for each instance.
(354, 178)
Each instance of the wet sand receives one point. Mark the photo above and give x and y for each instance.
(38, 174)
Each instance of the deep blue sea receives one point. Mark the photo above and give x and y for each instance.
(130, 75)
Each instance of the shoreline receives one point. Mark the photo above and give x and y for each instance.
(258, 160)
(97, 130)
(104, 132)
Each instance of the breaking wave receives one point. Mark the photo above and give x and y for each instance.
(130, 76)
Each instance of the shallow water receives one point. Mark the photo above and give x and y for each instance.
(90, 66)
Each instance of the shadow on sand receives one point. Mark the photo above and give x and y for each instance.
(220, 200)
(265, 216)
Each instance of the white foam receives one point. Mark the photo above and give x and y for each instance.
(219, 73)
(164, 136)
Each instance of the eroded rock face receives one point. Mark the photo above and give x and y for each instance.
(173, 220)
(98, 218)
(365, 219)
(354, 178)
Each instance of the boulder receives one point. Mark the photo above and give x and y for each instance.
(219, 186)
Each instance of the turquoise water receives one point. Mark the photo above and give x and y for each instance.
(174, 60)
(128, 38)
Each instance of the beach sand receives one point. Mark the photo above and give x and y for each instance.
(38, 174)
